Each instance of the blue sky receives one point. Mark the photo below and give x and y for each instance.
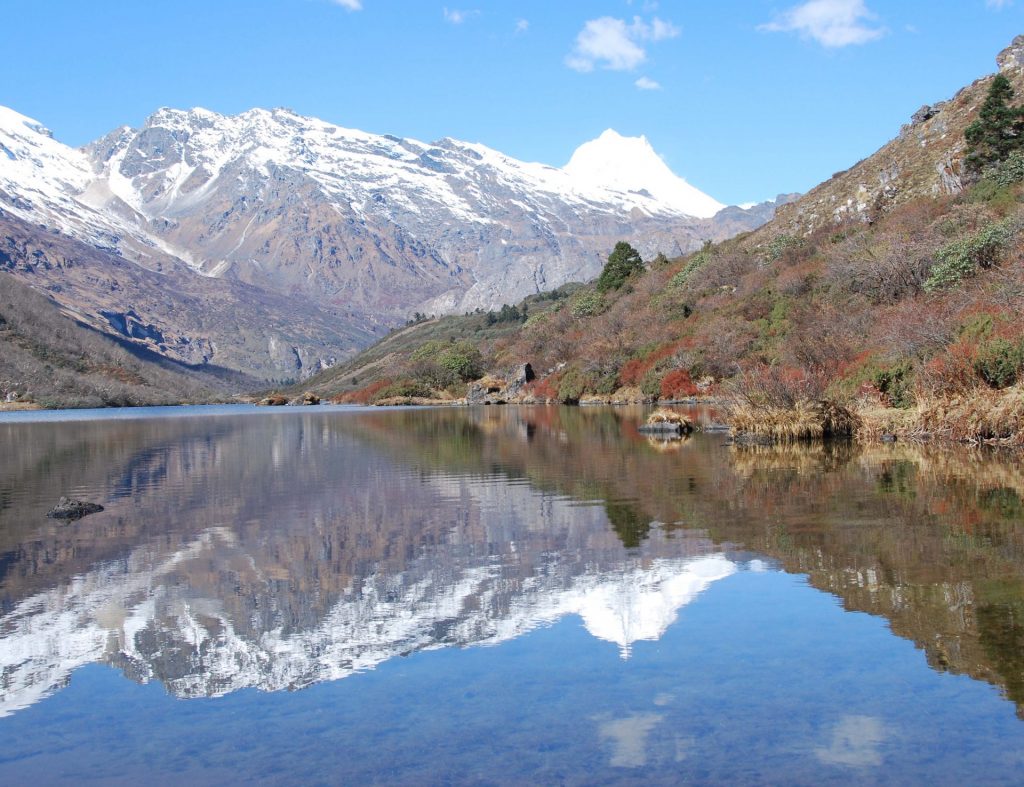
(744, 99)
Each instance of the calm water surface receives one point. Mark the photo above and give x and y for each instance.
(502, 595)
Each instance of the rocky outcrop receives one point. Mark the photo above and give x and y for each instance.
(68, 508)
(1012, 58)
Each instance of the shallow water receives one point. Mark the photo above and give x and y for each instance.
(500, 595)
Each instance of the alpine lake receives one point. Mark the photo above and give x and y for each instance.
(501, 595)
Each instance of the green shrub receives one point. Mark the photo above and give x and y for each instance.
(694, 264)
(999, 362)
(587, 304)
(650, 385)
(896, 383)
(572, 386)
(463, 360)
(1008, 172)
(977, 327)
(412, 388)
(778, 246)
(961, 258)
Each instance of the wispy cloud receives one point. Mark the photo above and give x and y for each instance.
(456, 16)
(646, 83)
(832, 23)
(349, 5)
(522, 25)
(999, 5)
(615, 44)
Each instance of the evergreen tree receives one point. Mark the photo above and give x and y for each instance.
(999, 129)
(623, 262)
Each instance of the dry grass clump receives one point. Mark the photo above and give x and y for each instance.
(984, 416)
(876, 421)
(804, 420)
(669, 417)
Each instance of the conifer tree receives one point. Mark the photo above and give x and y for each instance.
(999, 129)
(623, 262)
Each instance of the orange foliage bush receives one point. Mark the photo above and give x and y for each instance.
(363, 395)
(634, 370)
(546, 388)
(677, 385)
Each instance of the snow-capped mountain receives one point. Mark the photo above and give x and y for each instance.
(367, 225)
(630, 165)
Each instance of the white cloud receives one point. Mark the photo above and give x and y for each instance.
(832, 23)
(456, 16)
(613, 44)
(522, 25)
(349, 5)
(999, 5)
(645, 83)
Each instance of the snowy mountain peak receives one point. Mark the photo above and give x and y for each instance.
(630, 164)
(15, 123)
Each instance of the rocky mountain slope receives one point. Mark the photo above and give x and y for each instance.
(924, 161)
(313, 224)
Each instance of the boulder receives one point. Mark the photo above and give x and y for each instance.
(67, 508)
(518, 380)
(489, 390)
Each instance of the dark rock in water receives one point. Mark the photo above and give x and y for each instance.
(663, 427)
(73, 509)
(274, 401)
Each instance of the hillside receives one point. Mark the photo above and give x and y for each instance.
(905, 300)
(48, 358)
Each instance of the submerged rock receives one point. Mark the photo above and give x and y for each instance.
(67, 508)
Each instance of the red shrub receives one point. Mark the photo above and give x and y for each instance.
(633, 371)
(546, 388)
(677, 385)
(363, 395)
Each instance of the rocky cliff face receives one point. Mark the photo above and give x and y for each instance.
(363, 228)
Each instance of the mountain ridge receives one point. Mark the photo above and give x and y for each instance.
(365, 228)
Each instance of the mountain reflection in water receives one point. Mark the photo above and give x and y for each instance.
(281, 550)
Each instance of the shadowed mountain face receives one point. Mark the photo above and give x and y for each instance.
(277, 551)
